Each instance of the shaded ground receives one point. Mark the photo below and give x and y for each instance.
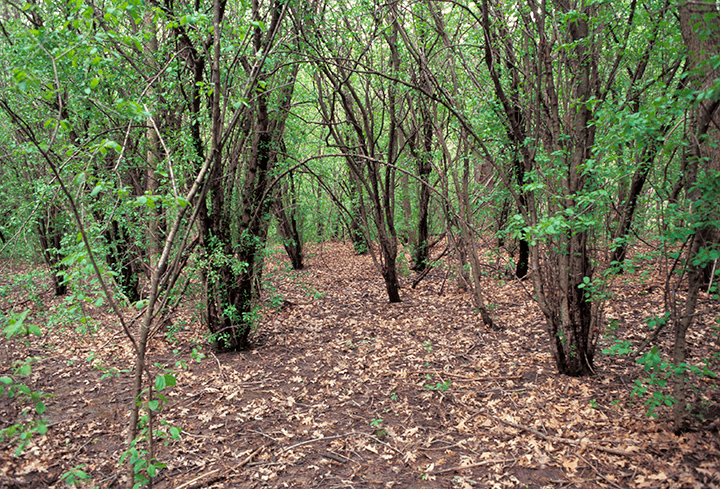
(343, 389)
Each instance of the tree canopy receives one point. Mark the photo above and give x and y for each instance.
(152, 146)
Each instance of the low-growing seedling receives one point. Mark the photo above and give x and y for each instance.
(440, 386)
(74, 475)
(196, 354)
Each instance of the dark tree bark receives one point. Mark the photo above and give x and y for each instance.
(50, 233)
(423, 159)
(357, 236)
(233, 215)
(700, 28)
(515, 125)
(358, 141)
(121, 258)
(284, 207)
(619, 236)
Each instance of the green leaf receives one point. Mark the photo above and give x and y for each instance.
(160, 383)
(34, 329)
(153, 405)
(174, 433)
(99, 302)
(242, 101)
(79, 179)
(40, 407)
(170, 380)
(6, 380)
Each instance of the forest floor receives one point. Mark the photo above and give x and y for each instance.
(343, 390)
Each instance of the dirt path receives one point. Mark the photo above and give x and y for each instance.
(343, 389)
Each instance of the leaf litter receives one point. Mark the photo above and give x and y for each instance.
(342, 389)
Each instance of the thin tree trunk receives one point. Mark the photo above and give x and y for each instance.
(287, 225)
(50, 235)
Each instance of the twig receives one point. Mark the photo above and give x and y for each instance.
(478, 464)
(222, 374)
(201, 476)
(314, 440)
(461, 377)
(566, 441)
(383, 443)
(242, 464)
(429, 266)
(336, 458)
(597, 472)
(249, 458)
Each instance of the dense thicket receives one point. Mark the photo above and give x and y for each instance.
(152, 143)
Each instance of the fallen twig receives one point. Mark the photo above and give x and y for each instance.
(461, 377)
(249, 458)
(567, 441)
(313, 440)
(192, 481)
(336, 458)
(478, 464)
(597, 472)
(222, 374)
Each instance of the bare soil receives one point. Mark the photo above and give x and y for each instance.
(343, 390)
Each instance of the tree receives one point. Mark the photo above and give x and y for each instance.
(234, 211)
(354, 110)
(284, 208)
(700, 28)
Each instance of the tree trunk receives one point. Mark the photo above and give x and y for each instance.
(284, 208)
(424, 166)
(357, 236)
(233, 216)
(50, 233)
(561, 282)
(700, 28)
(620, 235)
(122, 260)
(408, 236)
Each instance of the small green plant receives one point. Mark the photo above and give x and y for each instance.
(659, 371)
(144, 467)
(31, 401)
(393, 396)
(173, 329)
(619, 348)
(376, 422)
(74, 475)
(593, 403)
(196, 354)
(107, 372)
(428, 346)
(595, 290)
(15, 326)
(180, 363)
(440, 386)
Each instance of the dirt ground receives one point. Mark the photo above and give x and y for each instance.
(343, 390)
